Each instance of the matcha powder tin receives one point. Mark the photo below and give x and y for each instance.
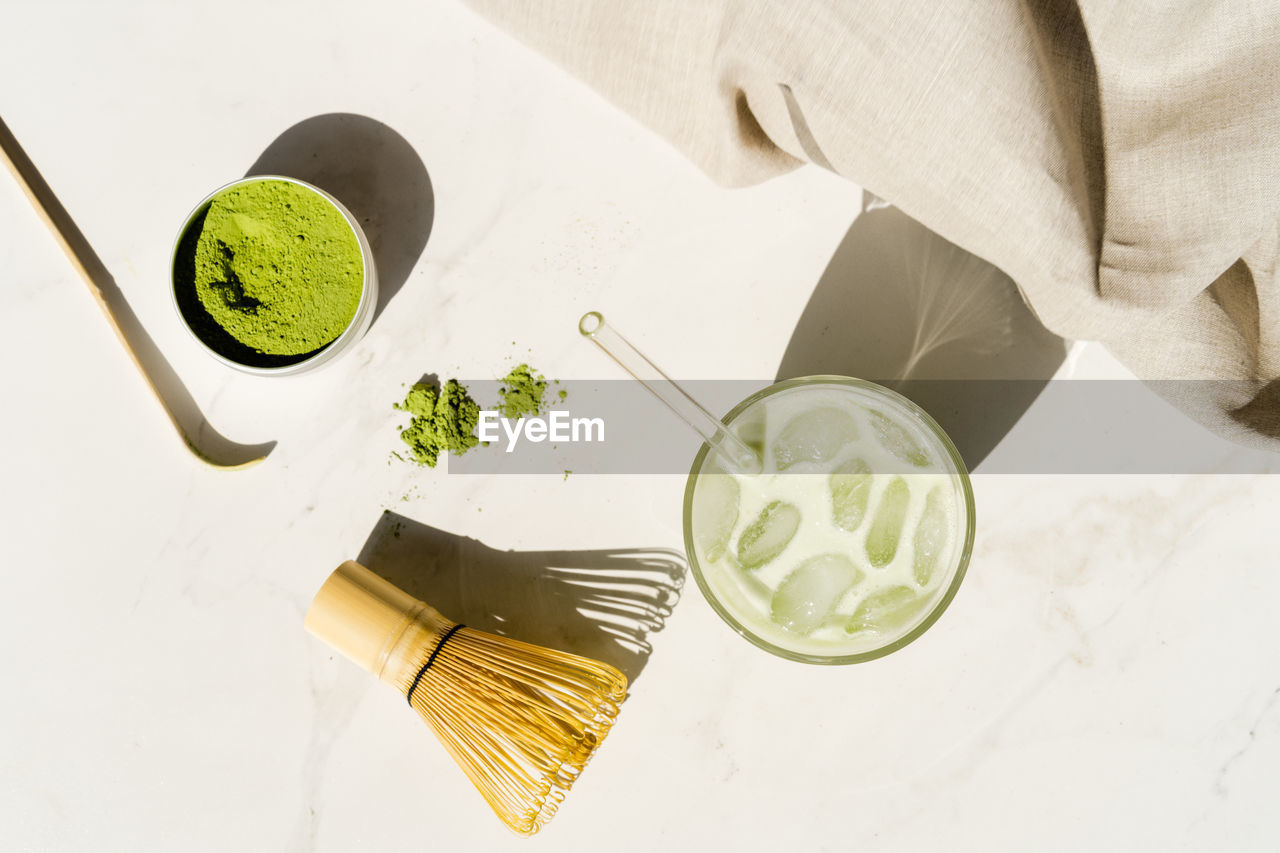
(273, 275)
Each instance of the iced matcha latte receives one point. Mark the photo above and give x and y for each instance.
(854, 537)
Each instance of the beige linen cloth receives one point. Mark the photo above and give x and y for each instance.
(1119, 159)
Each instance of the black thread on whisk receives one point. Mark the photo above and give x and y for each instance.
(426, 666)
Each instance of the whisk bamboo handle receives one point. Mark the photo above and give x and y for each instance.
(375, 623)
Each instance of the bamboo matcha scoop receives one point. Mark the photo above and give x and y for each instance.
(203, 440)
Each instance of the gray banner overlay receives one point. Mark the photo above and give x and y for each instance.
(999, 427)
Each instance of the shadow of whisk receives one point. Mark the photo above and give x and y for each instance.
(604, 604)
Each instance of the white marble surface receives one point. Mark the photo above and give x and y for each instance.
(1108, 677)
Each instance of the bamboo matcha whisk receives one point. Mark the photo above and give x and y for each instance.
(520, 720)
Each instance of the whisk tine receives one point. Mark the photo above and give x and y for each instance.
(520, 720)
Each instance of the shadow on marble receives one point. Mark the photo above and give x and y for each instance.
(899, 305)
(372, 170)
(603, 604)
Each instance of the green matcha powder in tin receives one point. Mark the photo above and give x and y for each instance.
(278, 267)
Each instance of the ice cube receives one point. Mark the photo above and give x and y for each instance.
(850, 486)
(931, 537)
(714, 513)
(895, 438)
(808, 595)
(886, 527)
(814, 436)
(886, 610)
(768, 535)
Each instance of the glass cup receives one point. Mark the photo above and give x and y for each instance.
(831, 444)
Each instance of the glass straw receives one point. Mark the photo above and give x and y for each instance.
(741, 458)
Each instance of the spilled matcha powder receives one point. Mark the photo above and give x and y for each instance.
(443, 420)
(522, 392)
(277, 267)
